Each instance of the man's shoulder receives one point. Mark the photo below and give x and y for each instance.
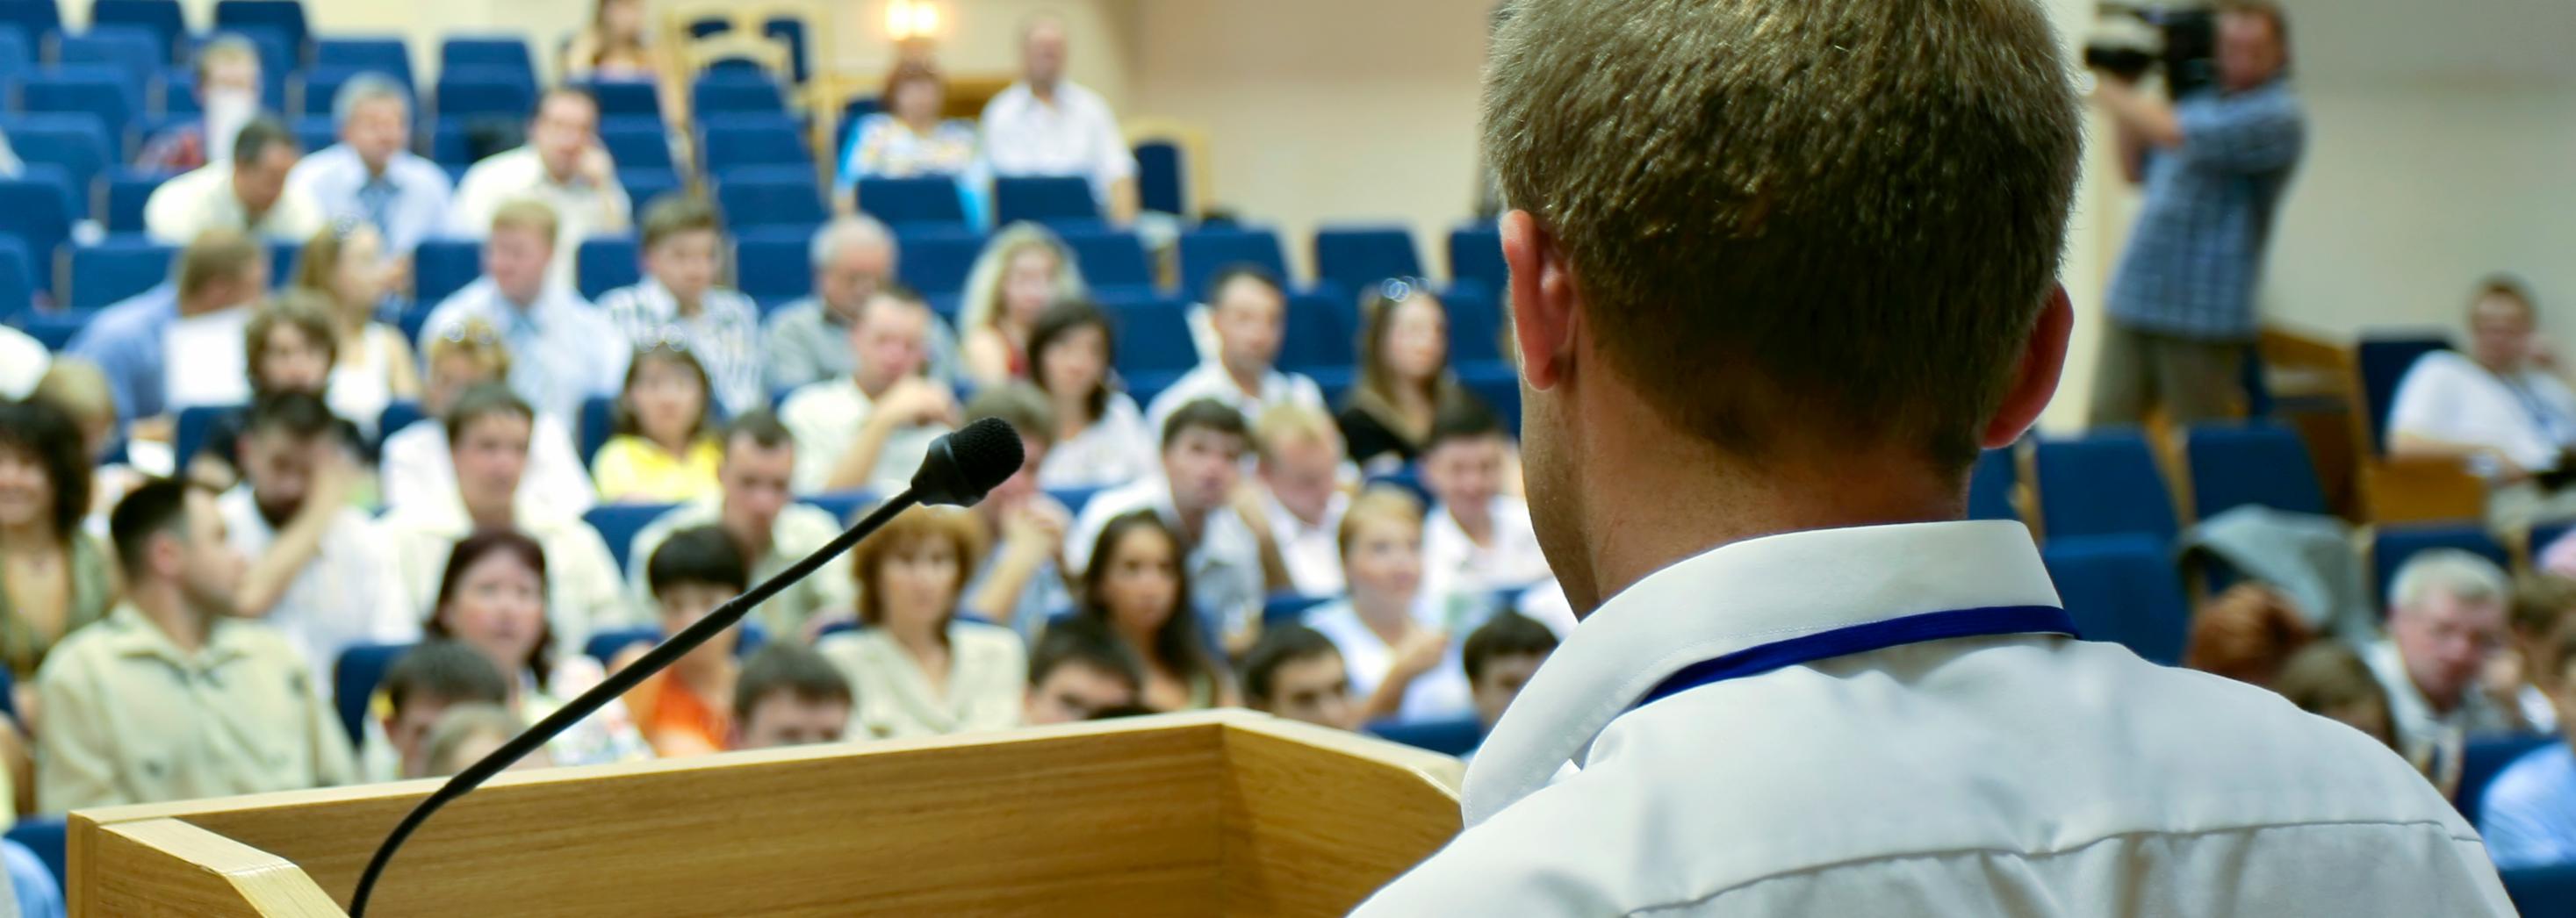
(797, 314)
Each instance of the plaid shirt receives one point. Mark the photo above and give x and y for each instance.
(2197, 249)
(724, 336)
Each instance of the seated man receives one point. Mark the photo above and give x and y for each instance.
(1248, 312)
(2446, 620)
(1021, 581)
(563, 166)
(415, 463)
(1078, 671)
(171, 697)
(561, 350)
(1302, 500)
(871, 428)
(217, 276)
(773, 530)
(1047, 124)
(683, 245)
(418, 689)
(1295, 672)
(371, 175)
(788, 695)
(1477, 538)
(321, 572)
(247, 193)
(1203, 446)
(809, 339)
(228, 92)
(1500, 657)
(2498, 407)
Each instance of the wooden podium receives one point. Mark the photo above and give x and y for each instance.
(1216, 813)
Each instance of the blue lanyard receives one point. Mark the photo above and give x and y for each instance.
(2552, 424)
(1863, 638)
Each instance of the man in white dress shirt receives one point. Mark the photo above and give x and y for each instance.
(248, 193)
(1046, 124)
(371, 175)
(870, 429)
(2501, 408)
(1476, 540)
(1248, 311)
(563, 165)
(320, 572)
(1203, 449)
(1301, 495)
(1767, 315)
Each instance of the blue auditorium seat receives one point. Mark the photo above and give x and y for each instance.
(17, 58)
(936, 262)
(1205, 251)
(44, 835)
(386, 55)
(101, 91)
(77, 144)
(1162, 178)
(605, 263)
(163, 18)
(733, 141)
(770, 196)
(354, 678)
(484, 92)
(636, 141)
(34, 19)
(929, 201)
(2382, 359)
(852, 112)
(2258, 463)
(54, 330)
(1357, 257)
(320, 87)
(281, 17)
(626, 98)
(1497, 383)
(314, 132)
(1456, 736)
(1476, 253)
(2542, 892)
(725, 92)
(1051, 200)
(774, 264)
(116, 268)
(132, 49)
(1990, 486)
(842, 505)
(605, 645)
(17, 278)
(508, 52)
(1288, 608)
(1475, 322)
(618, 523)
(2483, 758)
(398, 414)
(37, 209)
(194, 422)
(1074, 499)
(1110, 258)
(1320, 333)
(2103, 483)
(644, 186)
(2391, 546)
(2123, 589)
(441, 267)
(449, 143)
(1153, 335)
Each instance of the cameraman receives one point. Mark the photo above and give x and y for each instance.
(2214, 164)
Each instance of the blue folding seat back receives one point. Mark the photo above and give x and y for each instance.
(117, 268)
(132, 49)
(281, 17)
(398, 414)
(34, 19)
(2542, 891)
(605, 263)
(2102, 484)
(1110, 258)
(17, 57)
(1161, 178)
(770, 196)
(2382, 361)
(626, 98)
(852, 112)
(1319, 334)
(618, 523)
(2260, 464)
(112, 96)
(354, 678)
(2482, 758)
(636, 142)
(773, 265)
(734, 141)
(2123, 589)
(725, 92)
(46, 835)
(842, 505)
(1205, 252)
(484, 92)
(506, 52)
(1288, 608)
(163, 18)
(1475, 322)
(321, 87)
(388, 56)
(2392, 546)
(54, 330)
(1990, 486)
(77, 144)
(193, 425)
(910, 202)
(644, 186)
(315, 132)
(1451, 736)
(937, 262)
(1476, 253)
(440, 267)
(1044, 199)
(1357, 257)
(17, 277)
(596, 425)
(37, 208)
(1153, 335)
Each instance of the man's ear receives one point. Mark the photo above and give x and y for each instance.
(2043, 360)
(1541, 299)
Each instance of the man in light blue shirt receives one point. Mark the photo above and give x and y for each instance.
(562, 350)
(371, 175)
(220, 270)
(2529, 814)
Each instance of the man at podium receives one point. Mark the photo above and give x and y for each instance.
(1779, 269)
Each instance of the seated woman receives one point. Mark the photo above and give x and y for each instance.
(1404, 377)
(53, 576)
(1100, 438)
(665, 448)
(916, 669)
(686, 709)
(416, 463)
(493, 597)
(909, 139)
(289, 346)
(1137, 588)
(1395, 640)
(344, 269)
(1022, 271)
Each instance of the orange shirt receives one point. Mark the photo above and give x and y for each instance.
(675, 720)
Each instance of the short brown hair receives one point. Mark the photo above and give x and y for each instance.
(1020, 405)
(2329, 675)
(531, 215)
(2269, 11)
(297, 309)
(2246, 634)
(2540, 601)
(1835, 219)
(216, 255)
(956, 526)
(908, 70)
(676, 213)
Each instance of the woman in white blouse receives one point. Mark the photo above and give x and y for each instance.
(916, 669)
(1100, 439)
(345, 266)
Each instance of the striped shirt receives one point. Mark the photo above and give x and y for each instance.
(2196, 252)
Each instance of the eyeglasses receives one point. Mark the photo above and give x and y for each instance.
(470, 332)
(1400, 289)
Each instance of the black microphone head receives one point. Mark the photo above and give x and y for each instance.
(964, 465)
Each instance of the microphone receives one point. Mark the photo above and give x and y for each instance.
(960, 469)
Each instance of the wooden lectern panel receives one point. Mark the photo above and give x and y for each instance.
(199, 874)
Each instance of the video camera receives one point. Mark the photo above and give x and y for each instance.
(2130, 39)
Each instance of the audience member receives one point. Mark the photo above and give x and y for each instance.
(788, 696)
(917, 669)
(1398, 639)
(1300, 499)
(2528, 816)
(2544, 610)
(563, 166)
(416, 466)
(2246, 634)
(468, 733)
(872, 427)
(1478, 538)
(1139, 590)
(1022, 271)
(487, 435)
(2500, 407)
(1046, 124)
(678, 301)
(427, 680)
(171, 697)
(247, 193)
(1295, 672)
(2331, 680)
(1100, 437)
(54, 577)
(616, 45)
(348, 269)
(1500, 656)
(289, 346)
(809, 339)
(664, 446)
(228, 93)
(321, 572)
(911, 138)
(23, 360)
(1203, 449)
(554, 335)
(686, 709)
(132, 341)
(371, 176)
(1079, 669)
(2213, 165)
(81, 391)
(2446, 621)
(1404, 376)
(492, 596)
(1249, 311)
(754, 505)
(1021, 581)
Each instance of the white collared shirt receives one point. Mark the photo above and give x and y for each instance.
(1210, 380)
(1440, 693)
(2011, 775)
(582, 210)
(2420, 731)
(410, 196)
(346, 595)
(1452, 563)
(584, 593)
(825, 418)
(1114, 450)
(2446, 396)
(1077, 135)
(419, 467)
(1313, 552)
(563, 351)
(202, 199)
(1226, 580)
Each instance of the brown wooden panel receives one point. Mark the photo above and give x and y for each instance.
(165, 867)
(1309, 834)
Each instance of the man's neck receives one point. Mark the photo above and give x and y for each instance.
(754, 543)
(184, 624)
(2442, 706)
(190, 309)
(1193, 519)
(1248, 379)
(1046, 92)
(518, 301)
(873, 389)
(491, 517)
(1475, 519)
(1389, 617)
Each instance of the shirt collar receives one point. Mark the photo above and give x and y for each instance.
(1733, 597)
(136, 635)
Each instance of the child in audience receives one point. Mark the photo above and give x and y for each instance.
(918, 670)
(1078, 670)
(492, 597)
(665, 449)
(1100, 438)
(788, 695)
(1404, 377)
(682, 710)
(1478, 538)
(1137, 588)
(423, 685)
(2528, 815)
(1294, 672)
(465, 734)
(679, 304)
(1500, 656)
(1022, 271)
(1395, 637)
(2246, 634)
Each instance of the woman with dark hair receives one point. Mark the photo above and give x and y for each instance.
(53, 577)
(1404, 376)
(1138, 587)
(492, 597)
(916, 669)
(1100, 436)
(665, 449)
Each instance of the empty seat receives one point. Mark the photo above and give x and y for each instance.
(936, 262)
(1204, 252)
(504, 52)
(1161, 178)
(34, 19)
(1476, 253)
(163, 18)
(440, 267)
(354, 677)
(17, 278)
(126, 193)
(2392, 546)
(1044, 199)
(388, 56)
(2382, 359)
(37, 209)
(720, 92)
(116, 268)
(1110, 258)
(636, 142)
(281, 17)
(100, 91)
(1356, 257)
(924, 201)
(76, 144)
(2260, 464)
(484, 92)
(1317, 335)
(1153, 335)
(618, 524)
(774, 264)
(644, 186)
(626, 98)
(2123, 589)
(132, 49)
(605, 263)
(1990, 486)
(736, 141)
(770, 196)
(2102, 484)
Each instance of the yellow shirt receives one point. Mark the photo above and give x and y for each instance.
(130, 718)
(634, 470)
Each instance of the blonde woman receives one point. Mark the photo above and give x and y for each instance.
(345, 268)
(1023, 270)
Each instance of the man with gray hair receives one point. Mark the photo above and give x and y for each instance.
(809, 339)
(371, 175)
(1779, 269)
(2446, 617)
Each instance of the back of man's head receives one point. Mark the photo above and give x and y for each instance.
(158, 507)
(1826, 225)
(787, 694)
(261, 135)
(1080, 641)
(1277, 648)
(296, 414)
(444, 672)
(704, 555)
